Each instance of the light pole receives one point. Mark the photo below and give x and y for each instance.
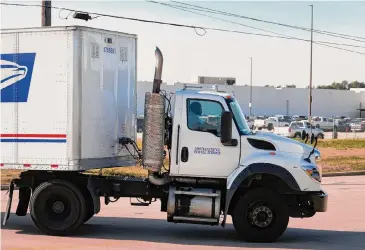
(250, 104)
(310, 74)
(46, 13)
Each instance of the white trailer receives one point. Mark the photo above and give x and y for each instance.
(68, 103)
(67, 95)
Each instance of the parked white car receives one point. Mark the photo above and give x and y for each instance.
(296, 129)
(276, 122)
(273, 120)
(358, 125)
(322, 122)
(284, 118)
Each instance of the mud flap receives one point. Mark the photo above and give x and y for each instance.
(24, 197)
(10, 199)
(96, 199)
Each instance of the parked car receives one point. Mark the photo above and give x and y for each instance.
(285, 118)
(296, 128)
(140, 124)
(341, 126)
(322, 122)
(358, 125)
(299, 117)
(274, 122)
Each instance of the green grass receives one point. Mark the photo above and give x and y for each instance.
(342, 164)
(340, 143)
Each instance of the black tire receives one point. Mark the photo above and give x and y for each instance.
(320, 136)
(297, 135)
(243, 216)
(270, 126)
(58, 207)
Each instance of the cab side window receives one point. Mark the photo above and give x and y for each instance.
(204, 115)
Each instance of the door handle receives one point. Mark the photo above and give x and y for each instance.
(184, 154)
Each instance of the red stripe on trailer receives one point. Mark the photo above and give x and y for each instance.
(35, 135)
(54, 166)
(1, 164)
(26, 165)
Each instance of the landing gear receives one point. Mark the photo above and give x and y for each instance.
(260, 216)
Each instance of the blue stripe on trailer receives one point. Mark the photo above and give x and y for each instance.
(34, 140)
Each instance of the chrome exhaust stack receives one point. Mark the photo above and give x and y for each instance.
(158, 71)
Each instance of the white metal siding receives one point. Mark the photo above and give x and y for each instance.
(108, 94)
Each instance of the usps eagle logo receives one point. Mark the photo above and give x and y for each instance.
(16, 76)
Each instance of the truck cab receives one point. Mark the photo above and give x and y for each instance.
(197, 149)
(248, 165)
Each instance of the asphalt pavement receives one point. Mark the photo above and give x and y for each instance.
(121, 226)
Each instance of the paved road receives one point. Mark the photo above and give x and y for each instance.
(120, 226)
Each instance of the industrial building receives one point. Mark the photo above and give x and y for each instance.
(285, 101)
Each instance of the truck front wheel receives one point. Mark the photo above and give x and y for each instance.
(57, 207)
(260, 215)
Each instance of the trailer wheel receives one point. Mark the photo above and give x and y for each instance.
(57, 207)
(260, 215)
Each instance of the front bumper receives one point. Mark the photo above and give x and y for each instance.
(320, 200)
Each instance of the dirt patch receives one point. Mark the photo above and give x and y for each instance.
(332, 152)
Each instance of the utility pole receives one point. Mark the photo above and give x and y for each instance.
(46, 13)
(250, 105)
(310, 77)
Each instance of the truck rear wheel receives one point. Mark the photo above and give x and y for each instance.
(260, 215)
(57, 207)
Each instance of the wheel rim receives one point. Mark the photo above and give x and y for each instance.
(58, 208)
(260, 215)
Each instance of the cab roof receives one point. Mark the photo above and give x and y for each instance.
(203, 92)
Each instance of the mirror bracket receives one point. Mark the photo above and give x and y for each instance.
(232, 143)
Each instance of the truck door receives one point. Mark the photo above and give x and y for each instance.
(200, 151)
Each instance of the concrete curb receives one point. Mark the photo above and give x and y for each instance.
(355, 173)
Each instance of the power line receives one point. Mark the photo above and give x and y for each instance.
(176, 24)
(279, 35)
(205, 9)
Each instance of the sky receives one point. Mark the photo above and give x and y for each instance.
(188, 55)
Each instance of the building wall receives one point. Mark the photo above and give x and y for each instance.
(272, 101)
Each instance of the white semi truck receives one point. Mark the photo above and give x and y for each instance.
(68, 104)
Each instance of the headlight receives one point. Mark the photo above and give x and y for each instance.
(311, 170)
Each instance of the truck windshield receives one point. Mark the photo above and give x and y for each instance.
(239, 117)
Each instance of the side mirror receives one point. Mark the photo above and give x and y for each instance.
(226, 129)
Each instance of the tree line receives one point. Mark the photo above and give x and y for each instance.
(344, 85)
